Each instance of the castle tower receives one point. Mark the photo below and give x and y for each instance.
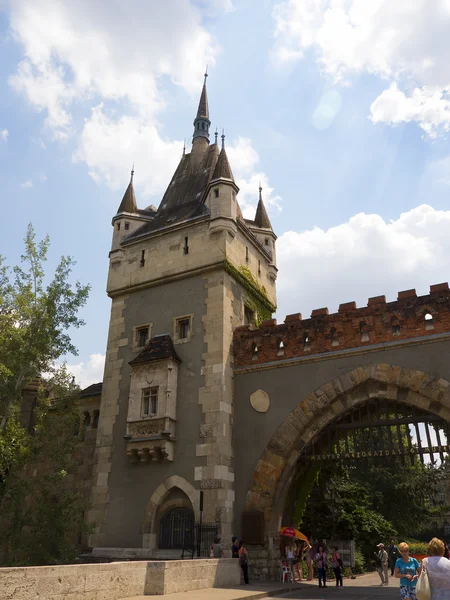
(181, 278)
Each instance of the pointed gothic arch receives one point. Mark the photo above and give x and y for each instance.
(275, 469)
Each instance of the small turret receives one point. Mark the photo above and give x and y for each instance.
(221, 198)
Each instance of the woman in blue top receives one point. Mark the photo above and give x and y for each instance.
(407, 569)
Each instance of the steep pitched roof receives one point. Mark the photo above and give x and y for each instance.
(203, 109)
(183, 199)
(223, 169)
(262, 218)
(93, 390)
(160, 347)
(128, 203)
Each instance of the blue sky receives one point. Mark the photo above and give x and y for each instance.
(340, 108)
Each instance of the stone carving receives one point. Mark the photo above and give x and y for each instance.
(206, 431)
(260, 401)
(206, 484)
(142, 428)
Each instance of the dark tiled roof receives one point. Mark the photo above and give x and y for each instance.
(261, 217)
(93, 390)
(128, 203)
(184, 198)
(203, 109)
(223, 169)
(159, 347)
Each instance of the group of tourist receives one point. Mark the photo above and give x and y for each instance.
(296, 551)
(408, 569)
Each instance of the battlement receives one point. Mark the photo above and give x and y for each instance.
(410, 316)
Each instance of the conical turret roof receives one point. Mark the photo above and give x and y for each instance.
(223, 169)
(203, 109)
(128, 203)
(262, 218)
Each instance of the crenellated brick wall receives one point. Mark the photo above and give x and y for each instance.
(410, 316)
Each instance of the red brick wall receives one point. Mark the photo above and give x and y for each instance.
(350, 327)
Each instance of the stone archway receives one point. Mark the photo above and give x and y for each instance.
(149, 533)
(276, 467)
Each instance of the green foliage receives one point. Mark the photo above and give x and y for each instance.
(257, 300)
(417, 547)
(34, 319)
(40, 518)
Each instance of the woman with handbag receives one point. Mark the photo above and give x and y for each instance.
(434, 582)
(243, 560)
(408, 570)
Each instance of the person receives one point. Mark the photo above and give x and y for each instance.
(407, 569)
(299, 546)
(243, 560)
(322, 564)
(310, 554)
(216, 549)
(337, 566)
(382, 564)
(438, 570)
(234, 547)
(393, 554)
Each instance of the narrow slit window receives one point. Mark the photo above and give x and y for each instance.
(266, 241)
(429, 324)
(364, 332)
(259, 268)
(118, 226)
(280, 348)
(254, 351)
(142, 258)
(216, 193)
(153, 400)
(96, 418)
(146, 402)
(127, 226)
(306, 342)
(186, 246)
(395, 327)
(246, 254)
(334, 337)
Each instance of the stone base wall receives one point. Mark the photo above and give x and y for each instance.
(114, 581)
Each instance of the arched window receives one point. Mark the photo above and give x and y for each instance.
(334, 337)
(395, 324)
(428, 318)
(280, 348)
(176, 529)
(254, 351)
(364, 331)
(306, 342)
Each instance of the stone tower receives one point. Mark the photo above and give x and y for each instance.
(181, 278)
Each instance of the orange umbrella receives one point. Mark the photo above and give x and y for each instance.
(293, 533)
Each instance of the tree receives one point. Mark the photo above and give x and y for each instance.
(39, 515)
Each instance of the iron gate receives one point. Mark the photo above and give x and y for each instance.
(176, 528)
(201, 540)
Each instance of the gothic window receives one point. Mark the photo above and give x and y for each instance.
(395, 326)
(176, 529)
(254, 351)
(149, 401)
(306, 342)
(249, 316)
(142, 336)
(428, 321)
(334, 337)
(364, 332)
(280, 348)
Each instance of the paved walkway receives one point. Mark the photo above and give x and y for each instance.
(361, 588)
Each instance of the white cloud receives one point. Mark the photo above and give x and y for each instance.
(26, 184)
(362, 258)
(405, 41)
(91, 372)
(243, 161)
(4, 133)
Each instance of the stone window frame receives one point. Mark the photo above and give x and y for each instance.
(176, 338)
(136, 328)
(151, 390)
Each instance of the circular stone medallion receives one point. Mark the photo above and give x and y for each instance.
(260, 401)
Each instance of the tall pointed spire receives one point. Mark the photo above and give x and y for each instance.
(202, 122)
(223, 169)
(261, 217)
(128, 203)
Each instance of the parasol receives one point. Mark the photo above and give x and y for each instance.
(293, 533)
